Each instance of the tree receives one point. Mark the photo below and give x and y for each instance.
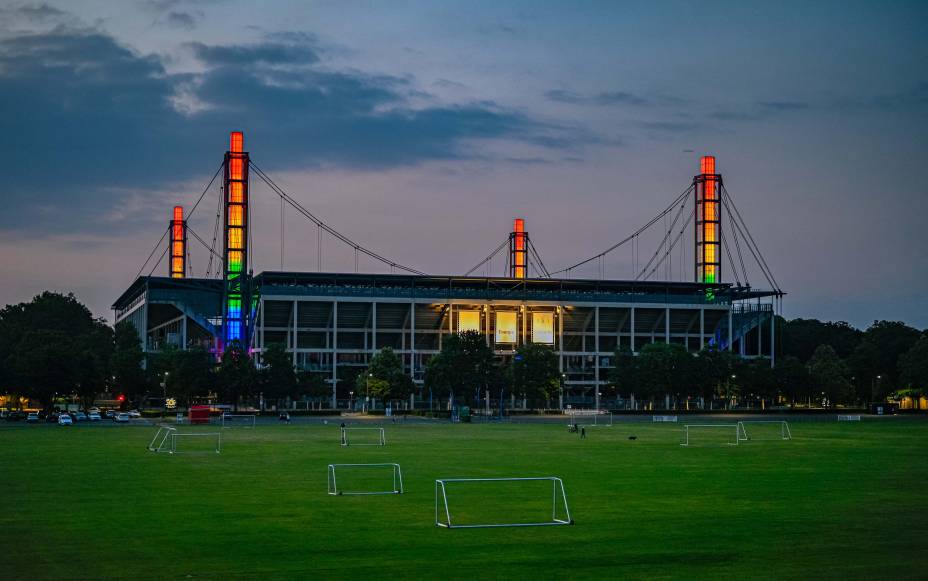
(278, 378)
(830, 374)
(53, 345)
(534, 372)
(892, 338)
(624, 370)
(237, 374)
(385, 379)
(864, 364)
(126, 361)
(792, 379)
(463, 368)
(801, 337)
(714, 373)
(665, 369)
(913, 370)
(313, 384)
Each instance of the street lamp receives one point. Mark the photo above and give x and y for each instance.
(164, 393)
(561, 394)
(873, 381)
(351, 400)
(367, 396)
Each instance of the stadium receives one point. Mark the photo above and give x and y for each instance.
(333, 323)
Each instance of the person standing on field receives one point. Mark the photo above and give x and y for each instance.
(583, 433)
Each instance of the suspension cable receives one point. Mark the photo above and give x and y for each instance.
(323, 226)
(488, 258)
(153, 250)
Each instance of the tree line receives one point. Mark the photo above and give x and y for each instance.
(53, 346)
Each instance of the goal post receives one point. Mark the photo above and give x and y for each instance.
(334, 490)
(363, 436)
(238, 420)
(559, 511)
(853, 418)
(161, 441)
(726, 430)
(779, 431)
(214, 440)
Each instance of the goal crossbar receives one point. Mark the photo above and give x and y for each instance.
(333, 483)
(346, 438)
(175, 435)
(784, 429)
(686, 432)
(557, 490)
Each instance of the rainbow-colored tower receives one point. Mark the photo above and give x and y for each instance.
(708, 222)
(235, 188)
(178, 227)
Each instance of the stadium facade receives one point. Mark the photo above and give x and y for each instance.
(333, 323)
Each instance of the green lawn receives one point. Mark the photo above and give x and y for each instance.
(841, 500)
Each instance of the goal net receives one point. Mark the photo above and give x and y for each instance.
(365, 479)
(848, 418)
(589, 418)
(195, 443)
(238, 420)
(663, 418)
(363, 437)
(162, 440)
(763, 430)
(500, 502)
(710, 435)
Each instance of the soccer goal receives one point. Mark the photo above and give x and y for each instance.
(500, 502)
(162, 440)
(710, 435)
(764, 430)
(589, 418)
(363, 437)
(196, 443)
(364, 479)
(848, 418)
(656, 419)
(238, 420)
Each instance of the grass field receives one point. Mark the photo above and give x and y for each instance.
(841, 500)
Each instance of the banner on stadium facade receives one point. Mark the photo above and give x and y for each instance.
(506, 327)
(468, 321)
(543, 328)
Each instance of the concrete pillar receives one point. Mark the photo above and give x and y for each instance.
(334, 354)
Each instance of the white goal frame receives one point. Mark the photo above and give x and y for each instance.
(557, 486)
(333, 483)
(784, 429)
(658, 419)
(164, 433)
(595, 415)
(854, 418)
(175, 435)
(236, 425)
(346, 439)
(686, 433)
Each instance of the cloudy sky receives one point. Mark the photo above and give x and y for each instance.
(421, 128)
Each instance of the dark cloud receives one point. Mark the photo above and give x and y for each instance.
(263, 53)
(95, 121)
(39, 12)
(604, 98)
(182, 20)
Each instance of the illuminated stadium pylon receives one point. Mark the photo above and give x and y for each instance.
(708, 186)
(235, 187)
(178, 263)
(518, 250)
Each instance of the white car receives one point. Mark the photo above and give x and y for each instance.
(94, 417)
(134, 414)
(65, 420)
(121, 418)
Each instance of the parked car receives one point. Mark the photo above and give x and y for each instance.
(109, 414)
(15, 416)
(94, 416)
(65, 420)
(121, 418)
(80, 417)
(134, 413)
(51, 418)
(32, 418)
(94, 409)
